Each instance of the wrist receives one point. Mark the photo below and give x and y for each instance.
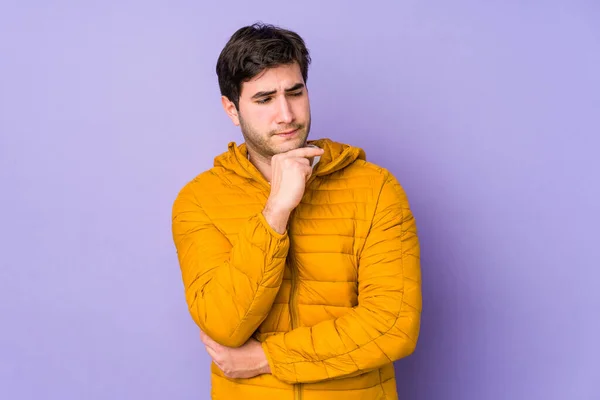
(276, 216)
(265, 368)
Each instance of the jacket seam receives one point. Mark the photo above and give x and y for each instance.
(210, 220)
(260, 284)
(371, 220)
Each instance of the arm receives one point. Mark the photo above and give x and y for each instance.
(385, 324)
(229, 289)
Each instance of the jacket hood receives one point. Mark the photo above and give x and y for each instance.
(337, 156)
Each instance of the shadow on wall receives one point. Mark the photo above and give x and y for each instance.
(449, 332)
(450, 337)
(429, 365)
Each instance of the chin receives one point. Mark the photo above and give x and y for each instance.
(289, 145)
(284, 148)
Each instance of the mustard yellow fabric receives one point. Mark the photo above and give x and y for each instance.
(335, 300)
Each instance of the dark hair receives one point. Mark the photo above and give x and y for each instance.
(252, 49)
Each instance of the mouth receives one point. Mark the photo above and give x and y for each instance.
(288, 133)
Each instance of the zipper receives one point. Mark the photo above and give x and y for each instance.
(295, 323)
(298, 394)
(293, 298)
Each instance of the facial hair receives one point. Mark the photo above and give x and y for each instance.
(259, 142)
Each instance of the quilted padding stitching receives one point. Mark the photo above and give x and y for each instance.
(402, 232)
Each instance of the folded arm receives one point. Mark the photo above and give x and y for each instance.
(229, 289)
(385, 324)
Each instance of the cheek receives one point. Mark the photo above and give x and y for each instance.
(302, 109)
(263, 116)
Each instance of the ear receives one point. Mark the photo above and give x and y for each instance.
(230, 109)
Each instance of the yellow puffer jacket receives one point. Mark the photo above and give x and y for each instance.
(334, 300)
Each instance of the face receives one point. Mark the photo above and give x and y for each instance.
(274, 111)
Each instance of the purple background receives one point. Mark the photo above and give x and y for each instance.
(487, 112)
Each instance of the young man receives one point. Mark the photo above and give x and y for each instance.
(300, 259)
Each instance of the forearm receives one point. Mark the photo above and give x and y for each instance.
(231, 298)
(385, 325)
(362, 340)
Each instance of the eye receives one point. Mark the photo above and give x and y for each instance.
(263, 101)
(297, 94)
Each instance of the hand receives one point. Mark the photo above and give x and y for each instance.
(246, 361)
(289, 173)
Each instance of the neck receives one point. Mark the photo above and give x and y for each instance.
(262, 164)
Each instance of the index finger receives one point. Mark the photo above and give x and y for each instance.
(205, 338)
(208, 341)
(305, 152)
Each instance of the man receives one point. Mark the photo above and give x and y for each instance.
(300, 259)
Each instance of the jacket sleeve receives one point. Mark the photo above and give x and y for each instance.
(385, 324)
(229, 289)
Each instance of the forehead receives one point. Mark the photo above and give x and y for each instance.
(277, 78)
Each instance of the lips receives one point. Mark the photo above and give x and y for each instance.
(288, 133)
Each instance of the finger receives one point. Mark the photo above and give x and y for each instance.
(212, 345)
(213, 354)
(216, 357)
(209, 342)
(302, 160)
(204, 337)
(307, 172)
(305, 152)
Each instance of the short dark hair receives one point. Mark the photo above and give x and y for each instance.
(252, 49)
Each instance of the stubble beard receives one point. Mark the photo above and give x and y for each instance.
(260, 142)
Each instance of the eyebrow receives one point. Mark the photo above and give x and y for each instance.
(272, 92)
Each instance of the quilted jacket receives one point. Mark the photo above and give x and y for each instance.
(335, 300)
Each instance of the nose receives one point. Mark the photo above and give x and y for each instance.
(285, 114)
